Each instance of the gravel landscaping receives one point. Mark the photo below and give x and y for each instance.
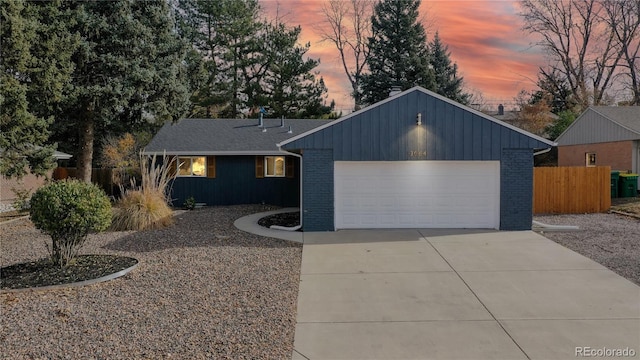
(609, 239)
(202, 289)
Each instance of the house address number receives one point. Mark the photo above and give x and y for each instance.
(417, 153)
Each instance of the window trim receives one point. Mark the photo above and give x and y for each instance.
(284, 166)
(588, 159)
(179, 161)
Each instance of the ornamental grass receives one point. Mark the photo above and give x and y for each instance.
(146, 206)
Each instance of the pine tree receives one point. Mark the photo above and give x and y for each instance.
(34, 72)
(399, 54)
(227, 35)
(448, 83)
(127, 72)
(290, 87)
(246, 62)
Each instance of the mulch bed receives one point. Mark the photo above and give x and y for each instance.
(289, 219)
(44, 273)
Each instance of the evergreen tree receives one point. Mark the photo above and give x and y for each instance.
(448, 83)
(290, 87)
(399, 54)
(127, 72)
(245, 62)
(565, 118)
(35, 69)
(554, 86)
(228, 36)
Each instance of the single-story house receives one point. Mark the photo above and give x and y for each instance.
(603, 136)
(416, 160)
(413, 160)
(233, 161)
(29, 182)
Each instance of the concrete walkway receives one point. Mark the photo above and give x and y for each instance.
(249, 224)
(456, 294)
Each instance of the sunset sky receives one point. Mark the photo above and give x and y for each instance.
(485, 39)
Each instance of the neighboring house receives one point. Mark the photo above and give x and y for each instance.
(603, 136)
(233, 161)
(29, 182)
(416, 160)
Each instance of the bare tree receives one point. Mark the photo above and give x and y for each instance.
(623, 17)
(581, 45)
(347, 24)
(478, 101)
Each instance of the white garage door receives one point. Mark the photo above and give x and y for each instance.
(417, 194)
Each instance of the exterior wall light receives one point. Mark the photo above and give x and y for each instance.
(419, 119)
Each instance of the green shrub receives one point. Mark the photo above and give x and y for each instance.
(190, 203)
(68, 211)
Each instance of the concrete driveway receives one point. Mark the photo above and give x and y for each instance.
(459, 294)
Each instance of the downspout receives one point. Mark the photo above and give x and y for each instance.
(542, 152)
(538, 226)
(298, 227)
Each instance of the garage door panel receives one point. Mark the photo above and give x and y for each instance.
(412, 194)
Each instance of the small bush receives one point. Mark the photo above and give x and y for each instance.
(190, 203)
(140, 210)
(68, 211)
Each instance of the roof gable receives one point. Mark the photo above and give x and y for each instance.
(387, 131)
(603, 124)
(226, 136)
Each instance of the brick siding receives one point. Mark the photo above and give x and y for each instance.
(617, 154)
(317, 190)
(516, 189)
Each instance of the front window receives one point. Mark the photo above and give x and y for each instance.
(274, 166)
(192, 166)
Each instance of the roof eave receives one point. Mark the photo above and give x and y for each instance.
(430, 93)
(211, 153)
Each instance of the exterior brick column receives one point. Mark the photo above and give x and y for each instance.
(516, 189)
(317, 190)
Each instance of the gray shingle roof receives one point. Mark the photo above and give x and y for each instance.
(226, 136)
(626, 116)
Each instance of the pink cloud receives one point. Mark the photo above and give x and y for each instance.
(484, 37)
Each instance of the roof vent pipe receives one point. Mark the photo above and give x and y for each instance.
(260, 123)
(290, 131)
(282, 121)
(395, 90)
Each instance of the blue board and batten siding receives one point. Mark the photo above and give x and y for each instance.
(388, 132)
(236, 183)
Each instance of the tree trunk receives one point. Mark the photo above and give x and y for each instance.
(86, 149)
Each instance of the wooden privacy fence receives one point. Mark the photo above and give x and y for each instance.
(100, 176)
(571, 190)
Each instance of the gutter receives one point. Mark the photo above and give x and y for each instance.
(298, 227)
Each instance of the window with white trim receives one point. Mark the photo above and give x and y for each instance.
(274, 166)
(192, 166)
(590, 159)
